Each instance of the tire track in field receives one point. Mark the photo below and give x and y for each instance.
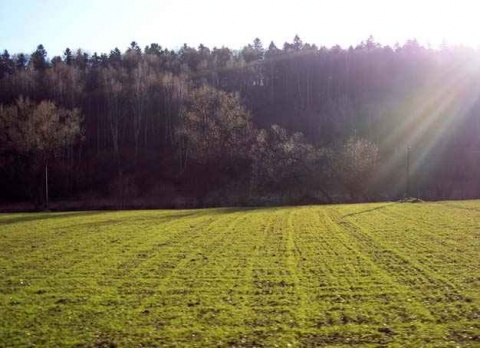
(414, 308)
(237, 252)
(367, 236)
(423, 217)
(238, 248)
(438, 295)
(441, 238)
(150, 249)
(80, 292)
(207, 236)
(137, 248)
(244, 292)
(207, 255)
(226, 305)
(326, 271)
(178, 298)
(448, 247)
(448, 254)
(272, 302)
(106, 306)
(265, 290)
(330, 274)
(293, 260)
(67, 249)
(434, 249)
(102, 273)
(64, 250)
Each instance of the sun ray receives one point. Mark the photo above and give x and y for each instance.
(431, 114)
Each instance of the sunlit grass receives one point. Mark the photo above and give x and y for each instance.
(370, 274)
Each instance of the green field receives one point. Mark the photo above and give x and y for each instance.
(365, 274)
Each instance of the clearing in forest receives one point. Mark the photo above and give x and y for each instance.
(363, 274)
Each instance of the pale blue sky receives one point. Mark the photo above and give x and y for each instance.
(99, 26)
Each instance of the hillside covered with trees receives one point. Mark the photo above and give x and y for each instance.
(199, 127)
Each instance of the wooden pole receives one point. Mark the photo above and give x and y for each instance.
(407, 186)
(46, 186)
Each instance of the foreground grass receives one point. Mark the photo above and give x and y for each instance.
(371, 274)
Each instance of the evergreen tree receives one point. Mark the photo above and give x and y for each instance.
(39, 59)
(6, 64)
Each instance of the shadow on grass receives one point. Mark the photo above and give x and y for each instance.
(151, 219)
(245, 209)
(173, 215)
(366, 211)
(30, 217)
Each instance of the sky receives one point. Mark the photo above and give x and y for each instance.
(101, 25)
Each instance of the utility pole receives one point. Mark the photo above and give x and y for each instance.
(46, 186)
(407, 186)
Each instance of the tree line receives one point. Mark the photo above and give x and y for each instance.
(204, 127)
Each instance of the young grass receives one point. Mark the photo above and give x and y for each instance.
(366, 274)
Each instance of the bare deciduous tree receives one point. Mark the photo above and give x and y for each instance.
(37, 132)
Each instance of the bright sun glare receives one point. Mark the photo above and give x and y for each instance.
(348, 22)
(235, 24)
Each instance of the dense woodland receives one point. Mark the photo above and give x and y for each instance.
(198, 127)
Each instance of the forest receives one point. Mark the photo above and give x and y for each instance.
(263, 125)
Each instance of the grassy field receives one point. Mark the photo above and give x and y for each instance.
(370, 275)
